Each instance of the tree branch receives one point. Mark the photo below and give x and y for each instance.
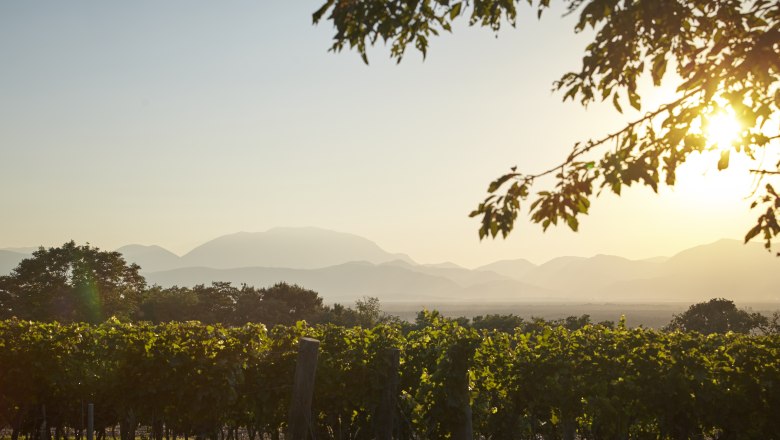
(591, 145)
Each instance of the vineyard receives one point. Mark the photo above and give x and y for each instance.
(208, 381)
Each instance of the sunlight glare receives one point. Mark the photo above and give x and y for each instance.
(700, 184)
(722, 130)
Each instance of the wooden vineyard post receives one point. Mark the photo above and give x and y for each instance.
(461, 353)
(44, 428)
(568, 428)
(385, 411)
(90, 421)
(299, 422)
(463, 430)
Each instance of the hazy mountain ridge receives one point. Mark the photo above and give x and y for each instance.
(345, 282)
(151, 258)
(350, 281)
(463, 277)
(344, 267)
(510, 268)
(590, 277)
(300, 248)
(725, 268)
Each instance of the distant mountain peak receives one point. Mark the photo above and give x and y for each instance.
(398, 262)
(144, 248)
(150, 257)
(515, 269)
(288, 247)
(296, 229)
(445, 265)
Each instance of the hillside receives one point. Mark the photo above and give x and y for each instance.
(344, 267)
(150, 258)
(300, 248)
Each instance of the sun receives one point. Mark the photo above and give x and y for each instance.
(697, 182)
(722, 130)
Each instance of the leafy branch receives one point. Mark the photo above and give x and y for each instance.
(726, 53)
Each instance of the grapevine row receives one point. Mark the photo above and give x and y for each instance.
(192, 379)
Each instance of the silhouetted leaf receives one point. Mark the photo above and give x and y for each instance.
(752, 233)
(723, 163)
(455, 11)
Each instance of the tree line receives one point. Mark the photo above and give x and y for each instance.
(81, 283)
(718, 315)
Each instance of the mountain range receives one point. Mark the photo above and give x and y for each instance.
(343, 267)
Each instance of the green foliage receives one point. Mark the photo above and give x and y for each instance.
(198, 379)
(224, 303)
(504, 323)
(435, 376)
(367, 313)
(724, 53)
(281, 303)
(75, 283)
(72, 283)
(511, 323)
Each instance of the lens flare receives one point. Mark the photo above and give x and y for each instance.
(722, 130)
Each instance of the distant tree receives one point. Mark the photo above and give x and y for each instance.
(216, 303)
(367, 313)
(574, 322)
(249, 305)
(462, 321)
(725, 53)
(286, 304)
(773, 324)
(223, 303)
(607, 323)
(171, 304)
(717, 315)
(504, 323)
(72, 283)
(342, 315)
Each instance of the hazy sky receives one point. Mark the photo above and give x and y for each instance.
(175, 122)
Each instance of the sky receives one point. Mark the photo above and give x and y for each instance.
(176, 122)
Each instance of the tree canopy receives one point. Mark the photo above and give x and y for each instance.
(223, 303)
(72, 283)
(75, 283)
(726, 54)
(718, 315)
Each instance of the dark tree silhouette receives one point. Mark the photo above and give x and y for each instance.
(223, 303)
(72, 283)
(718, 315)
